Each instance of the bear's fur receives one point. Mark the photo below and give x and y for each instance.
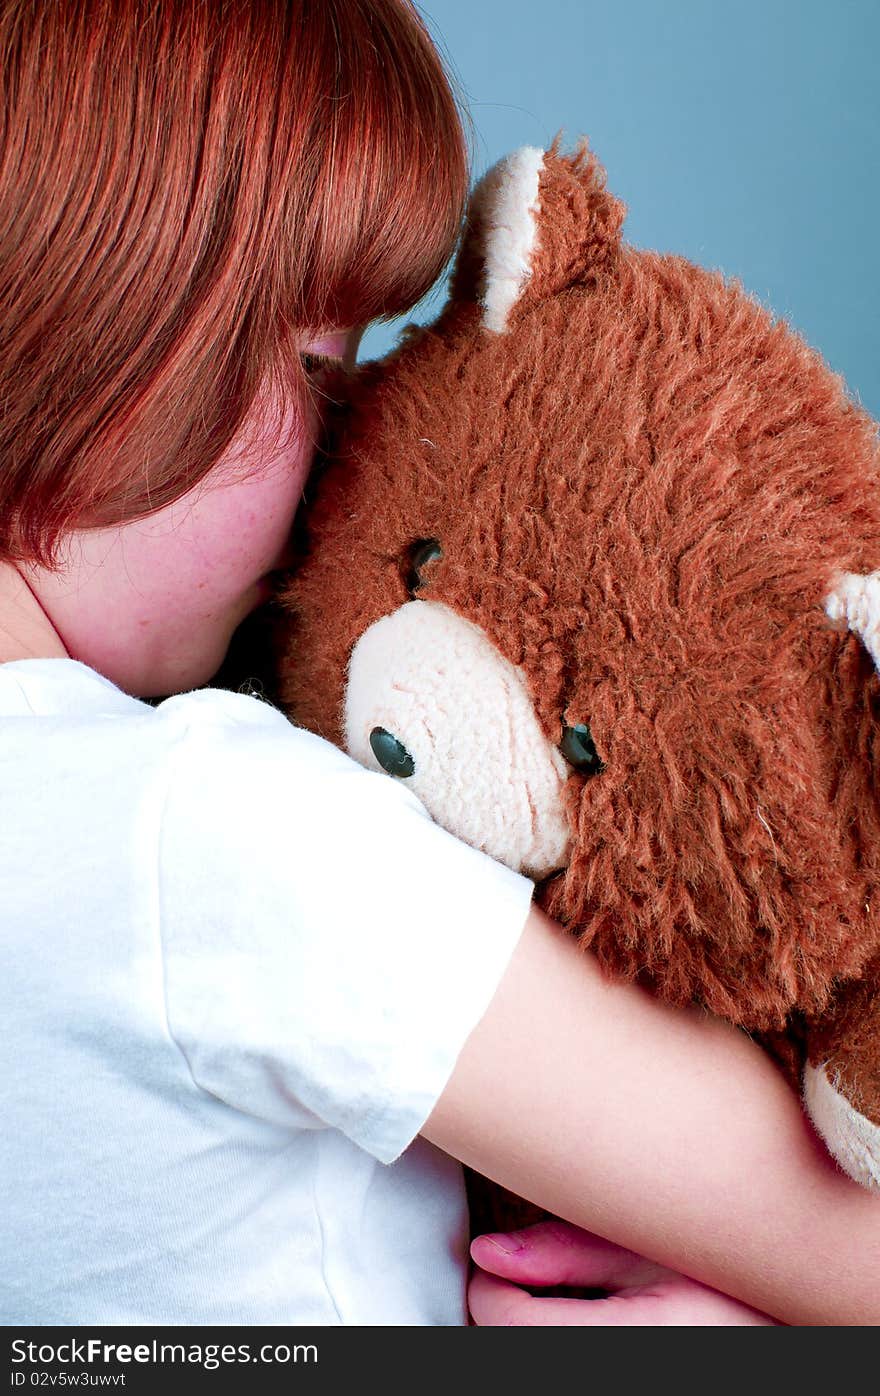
(645, 488)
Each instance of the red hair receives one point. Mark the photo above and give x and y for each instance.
(185, 188)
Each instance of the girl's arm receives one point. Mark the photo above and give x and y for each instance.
(662, 1129)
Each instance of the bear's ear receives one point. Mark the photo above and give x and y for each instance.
(854, 604)
(537, 222)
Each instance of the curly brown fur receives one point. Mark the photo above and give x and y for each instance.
(642, 491)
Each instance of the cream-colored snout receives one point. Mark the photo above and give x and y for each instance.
(461, 713)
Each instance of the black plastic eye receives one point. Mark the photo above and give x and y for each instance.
(391, 754)
(423, 551)
(578, 749)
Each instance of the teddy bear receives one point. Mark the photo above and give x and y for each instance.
(593, 564)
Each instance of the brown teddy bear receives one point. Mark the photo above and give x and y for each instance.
(591, 565)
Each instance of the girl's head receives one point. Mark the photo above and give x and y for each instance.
(193, 193)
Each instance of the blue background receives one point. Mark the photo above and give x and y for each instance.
(744, 135)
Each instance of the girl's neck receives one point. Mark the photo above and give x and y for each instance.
(26, 632)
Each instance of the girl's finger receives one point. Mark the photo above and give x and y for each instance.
(496, 1303)
(554, 1253)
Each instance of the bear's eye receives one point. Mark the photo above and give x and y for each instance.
(579, 751)
(423, 551)
(391, 754)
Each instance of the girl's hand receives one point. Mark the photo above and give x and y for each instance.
(636, 1292)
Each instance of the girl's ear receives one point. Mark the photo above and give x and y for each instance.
(537, 222)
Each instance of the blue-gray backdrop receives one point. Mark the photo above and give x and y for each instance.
(743, 135)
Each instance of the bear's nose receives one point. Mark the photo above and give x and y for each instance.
(391, 754)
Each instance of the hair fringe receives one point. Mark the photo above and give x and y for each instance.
(198, 186)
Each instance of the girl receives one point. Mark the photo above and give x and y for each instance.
(241, 1054)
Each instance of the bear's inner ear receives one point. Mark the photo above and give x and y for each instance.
(853, 603)
(502, 231)
(537, 222)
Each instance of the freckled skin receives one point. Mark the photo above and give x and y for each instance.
(152, 604)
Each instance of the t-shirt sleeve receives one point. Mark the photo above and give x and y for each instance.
(327, 948)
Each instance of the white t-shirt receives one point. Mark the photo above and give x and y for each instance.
(237, 970)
